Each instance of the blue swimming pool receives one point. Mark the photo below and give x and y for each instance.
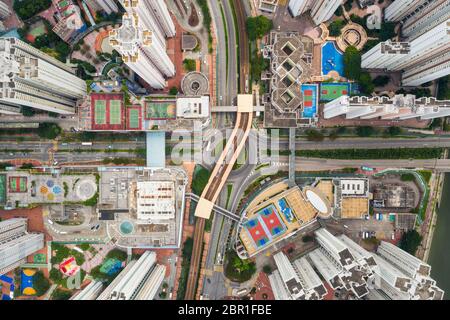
(332, 59)
(286, 210)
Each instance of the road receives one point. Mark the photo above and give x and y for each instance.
(310, 164)
(68, 152)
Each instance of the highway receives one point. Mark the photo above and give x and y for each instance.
(312, 164)
(223, 166)
(68, 152)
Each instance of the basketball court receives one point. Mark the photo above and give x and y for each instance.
(160, 110)
(332, 91)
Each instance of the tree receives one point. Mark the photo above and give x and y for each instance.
(173, 91)
(307, 238)
(189, 65)
(393, 131)
(258, 27)
(40, 283)
(26, 9)
(28, 112)
(336, 27)
(410, 241)
(26, 166)
(314, 135)
(381, 81)
(365, 131)
(366, 84)
(49, 130)
(267, 269)
(352, 63)
(201, 177)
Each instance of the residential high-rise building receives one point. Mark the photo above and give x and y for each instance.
(412, 275)
(141, 41)
(295, 281)
(390, 274)
(321, 10)
(400, 107)
(154, 15)
(16, 243)
(418, 16)
(109, 6)
(29, 77)
(91, 292)
(140, 280)
(399, 9)
(4, 10)
(422, 58)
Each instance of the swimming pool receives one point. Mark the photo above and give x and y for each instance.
(332, 59)
(309, 92)
(286, 210)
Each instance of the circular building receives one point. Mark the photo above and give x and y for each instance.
(195, 84)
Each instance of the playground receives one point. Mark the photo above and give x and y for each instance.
(107, 111)
(309, 92)
(332, 59)
(332, 91)
(36, 29)
(160, 110)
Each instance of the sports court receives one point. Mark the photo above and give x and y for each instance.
(256, 232)
(2, 188)
(134, 118)
(309, 92)
(107, 111)
(160, 110)
(37, 29)
(286, 210)
(332, 91)
(272, 221)
(332, 59)
(17, 184)
(265, 226)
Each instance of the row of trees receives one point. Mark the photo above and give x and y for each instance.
(362, 154)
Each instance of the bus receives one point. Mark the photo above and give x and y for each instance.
(86, 143)
(364, 168)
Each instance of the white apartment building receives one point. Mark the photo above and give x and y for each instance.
(16, 244)
(141, 52)
(154, 16)
(91, 292)
(392, 272)
(109, 6)
(418, 16)
(400, 107)
(423, 59)
(140, 280)
(29, 77)
(295, 281)
(321, 10)
(4, 10)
